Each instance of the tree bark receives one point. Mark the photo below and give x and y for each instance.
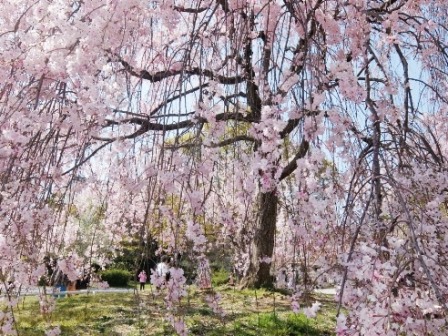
(262, 246)
(259, 273)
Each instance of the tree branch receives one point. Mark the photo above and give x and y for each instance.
(161, 75)
(292, 165)
(214, 145)
(146, 125)
(293, 123)
(183, 94)
(190, 10)
(81, 162)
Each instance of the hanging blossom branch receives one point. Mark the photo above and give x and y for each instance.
(412, 227)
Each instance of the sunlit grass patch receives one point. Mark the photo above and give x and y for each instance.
(280, 325)
(94, 314)
(247, 313)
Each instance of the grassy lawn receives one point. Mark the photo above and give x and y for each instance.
(248, 313)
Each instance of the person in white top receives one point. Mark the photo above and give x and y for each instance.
(162, 268)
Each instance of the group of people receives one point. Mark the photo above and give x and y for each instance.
(162, 270)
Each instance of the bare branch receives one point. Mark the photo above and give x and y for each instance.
(292, 165)
(81, 162)
(190, 10)
(293, 123)
(146, 125)
(214, 145)
(161, 75)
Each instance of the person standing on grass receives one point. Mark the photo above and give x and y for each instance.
(204, 276)
(142, 277)
(163, 269)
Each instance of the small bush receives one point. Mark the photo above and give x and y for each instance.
(220, 277)
(116, 277)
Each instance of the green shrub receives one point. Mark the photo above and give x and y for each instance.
(220, 277)
(116, 277)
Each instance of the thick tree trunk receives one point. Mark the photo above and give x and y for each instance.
(262, 246)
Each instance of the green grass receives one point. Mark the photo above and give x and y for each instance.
(248, 313)
(285, 324)
(79, 315)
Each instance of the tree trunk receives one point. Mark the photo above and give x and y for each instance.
(262, 246)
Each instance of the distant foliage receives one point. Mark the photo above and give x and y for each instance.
(220, 277)
(116, 277)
